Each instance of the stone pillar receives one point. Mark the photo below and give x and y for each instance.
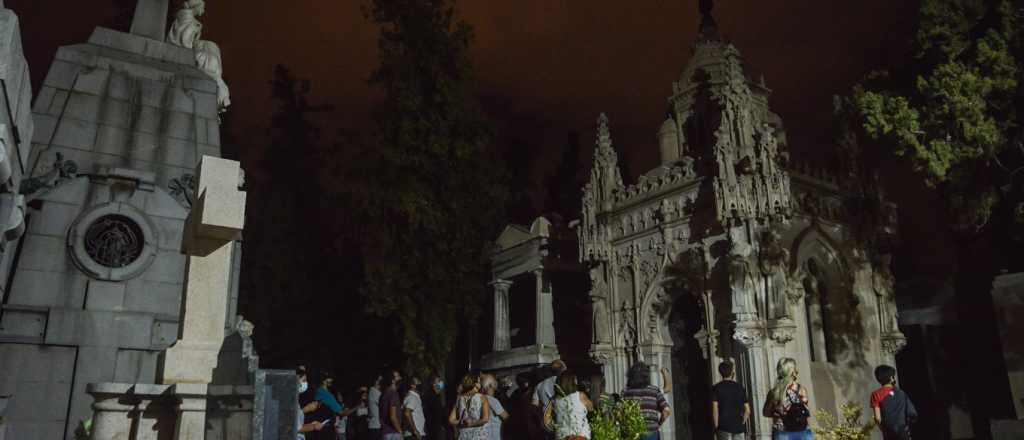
(112, 409)
(191, 411)
(502, 337)
(150, 19)
(754, 363)
(545, 312)
(214, 223)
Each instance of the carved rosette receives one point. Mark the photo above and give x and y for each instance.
(893, 343)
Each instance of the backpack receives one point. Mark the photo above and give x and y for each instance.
(795, 418)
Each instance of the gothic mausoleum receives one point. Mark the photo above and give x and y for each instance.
(729, 250)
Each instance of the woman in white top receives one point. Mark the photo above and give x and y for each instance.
(471, 411)
(570, 409)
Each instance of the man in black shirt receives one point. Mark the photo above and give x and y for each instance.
(730, 408)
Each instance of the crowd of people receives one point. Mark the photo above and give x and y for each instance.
(553, 403)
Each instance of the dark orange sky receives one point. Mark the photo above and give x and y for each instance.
(545, 66)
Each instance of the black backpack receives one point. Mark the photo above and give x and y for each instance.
(795, 418)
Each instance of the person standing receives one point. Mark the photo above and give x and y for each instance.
(787, 404)
(300, 427)
(390, 408)
(653, 403)
(545, 391)
(433, 410)
(730, 408)
(498, 413)
(373, 407)
(570, 409)
(893, 410)
(471, 411)
(412, 407)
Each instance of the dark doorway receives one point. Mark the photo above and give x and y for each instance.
(691, 374)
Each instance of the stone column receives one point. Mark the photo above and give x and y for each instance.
(111, 408)
(191, 411)
(754, 362)
(545, 312)
(214, 223)
(502, 338)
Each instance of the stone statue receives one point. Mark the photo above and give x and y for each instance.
(208, 58)
(741, 282)
(882, 281)
(186, 29)
(774, 259)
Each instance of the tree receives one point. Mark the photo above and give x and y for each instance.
(955, 113)
(435, 199)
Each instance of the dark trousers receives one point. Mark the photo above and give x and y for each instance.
(374, 434)
(903, 434)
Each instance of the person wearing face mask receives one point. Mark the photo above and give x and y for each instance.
(300, 427)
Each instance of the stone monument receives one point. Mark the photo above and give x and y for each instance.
(180, 404)
(108, 153)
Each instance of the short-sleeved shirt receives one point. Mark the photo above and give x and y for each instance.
(327, 399)
(493, 425)
(373, 405)
(652, 403)
(414, 403)
(895, 408)
(731, 396)
(545, 392)
(389, 400)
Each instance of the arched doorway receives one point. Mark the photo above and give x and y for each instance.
(691, 377)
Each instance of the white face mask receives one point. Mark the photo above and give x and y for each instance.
(303, 386)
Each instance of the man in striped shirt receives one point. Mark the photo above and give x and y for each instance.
(652, 401)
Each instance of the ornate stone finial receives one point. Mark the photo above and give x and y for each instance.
(186, 29)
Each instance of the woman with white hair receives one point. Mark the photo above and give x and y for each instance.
(787, 403)
(490, 388)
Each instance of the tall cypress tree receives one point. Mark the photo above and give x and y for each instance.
(436, 197)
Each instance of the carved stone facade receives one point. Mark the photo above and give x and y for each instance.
(769, 253)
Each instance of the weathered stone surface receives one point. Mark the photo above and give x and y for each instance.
(213, 224)
(150, 19)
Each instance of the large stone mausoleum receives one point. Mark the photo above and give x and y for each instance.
(729, 249)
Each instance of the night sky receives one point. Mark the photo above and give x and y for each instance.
(545, 67)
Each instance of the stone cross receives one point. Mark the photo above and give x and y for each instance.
(214, 223)
(150, 19)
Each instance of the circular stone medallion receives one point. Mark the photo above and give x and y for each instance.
(113, 242)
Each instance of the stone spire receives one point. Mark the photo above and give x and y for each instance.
(599, 195)
(150, 19)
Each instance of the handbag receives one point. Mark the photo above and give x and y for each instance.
(549, 416)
